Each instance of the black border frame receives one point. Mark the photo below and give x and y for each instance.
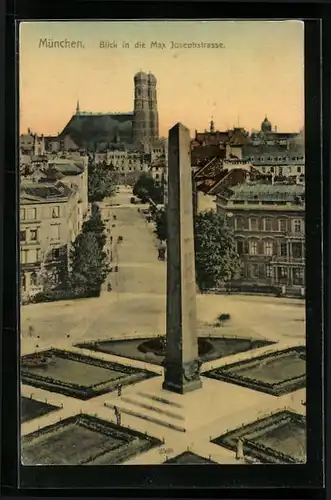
(307, 479)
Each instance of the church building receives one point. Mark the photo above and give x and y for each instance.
(129, 130)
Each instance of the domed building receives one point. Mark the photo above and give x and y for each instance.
(266, 126)
(100, 131)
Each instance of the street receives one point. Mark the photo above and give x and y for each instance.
(136, 304)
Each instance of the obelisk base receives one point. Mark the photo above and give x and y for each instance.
(182, 377)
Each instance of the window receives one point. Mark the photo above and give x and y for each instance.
(22, 214)
(33, 279)
(268, 247)
(157, 176)
(31, 214)
(282, 225)
(55, 212)
(55, 232)
(297, 252)
(33, 234)
(24, 256)
(267, 224)
(254, 270)
(283, 249)
(253, 223)
(297, 226)
(240, 247)
(33, 256)
(269, 272)
(298, 276)
(239, 223)
(299, 170)
(253, 247)
(55, 253)
(22, 235)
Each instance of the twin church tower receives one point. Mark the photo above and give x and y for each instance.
(145, 124)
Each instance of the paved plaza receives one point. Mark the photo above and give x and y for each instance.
(136, 308)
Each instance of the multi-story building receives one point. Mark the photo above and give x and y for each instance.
(50, 220)
(158, 170)
(32, 144)
(269, 225)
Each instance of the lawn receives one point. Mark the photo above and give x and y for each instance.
(83, 440)
(278, 438)
(150, 350)
(276, 373)
(31, 409)
(76, 375)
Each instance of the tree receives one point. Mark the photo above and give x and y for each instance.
(95, 225)
(89, 267)
(216, 258)
(146, 188)
(102, 182)
(161, 224)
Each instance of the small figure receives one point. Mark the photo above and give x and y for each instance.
(119, 390)
(116, 269)
(114, 217)
(109, 287)
(117, 415)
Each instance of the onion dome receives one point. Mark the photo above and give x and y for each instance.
(151, 78)
(266, 125)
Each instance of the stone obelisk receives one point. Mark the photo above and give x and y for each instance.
(181, 364)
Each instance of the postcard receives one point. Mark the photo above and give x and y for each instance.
(162, 242)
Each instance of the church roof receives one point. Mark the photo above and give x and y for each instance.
(85, 129)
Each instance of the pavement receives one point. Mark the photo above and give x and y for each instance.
(136, 307)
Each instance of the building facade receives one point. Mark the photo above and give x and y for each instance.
(50, 220)
(269, 226)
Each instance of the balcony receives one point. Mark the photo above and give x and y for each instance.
(280, 259)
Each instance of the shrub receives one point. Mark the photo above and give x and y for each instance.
(75, 293)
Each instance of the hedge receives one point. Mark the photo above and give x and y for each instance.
(76, 293)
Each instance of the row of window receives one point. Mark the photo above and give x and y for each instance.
(269, 224)
(33, 234)
(275, 158)
(31, 213)
(268, 247)
(33, 255)
(280, 170)
(279, 274)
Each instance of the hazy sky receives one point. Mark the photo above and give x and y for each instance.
(260, 71)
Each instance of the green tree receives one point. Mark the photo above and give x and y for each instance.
(216, 258)
(160, 218)
(95, 225)
(102, 182)
(89, 266)
(146, 188)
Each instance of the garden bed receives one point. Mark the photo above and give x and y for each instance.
(30, 409)
(277, 373)
(84, 440)
(76, 375)
(188, 458)
(279, 438)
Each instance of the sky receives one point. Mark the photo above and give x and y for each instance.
(259, 71)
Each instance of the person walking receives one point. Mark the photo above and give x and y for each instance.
(109, 287)
(117, 416)
(119, 390)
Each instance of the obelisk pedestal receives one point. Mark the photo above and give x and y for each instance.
(181, 364)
